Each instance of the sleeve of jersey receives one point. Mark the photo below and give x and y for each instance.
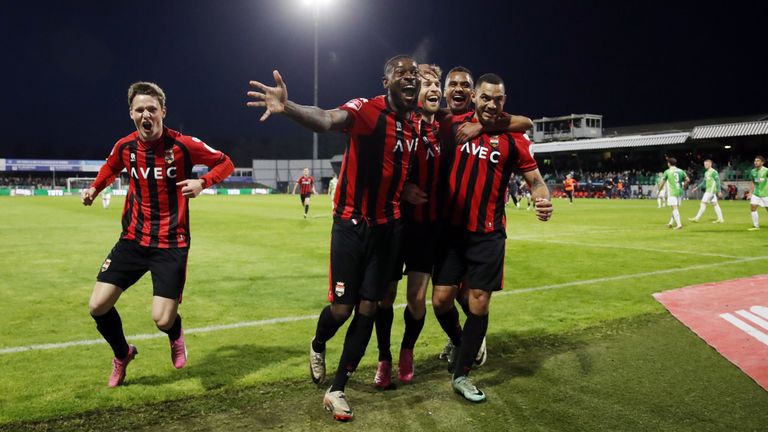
(525, 160)
(110, 170)
(359, 109)
(219, 164)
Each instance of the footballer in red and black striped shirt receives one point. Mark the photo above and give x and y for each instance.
(420, 232)
(306, 184)
(365, 237)
(155, 221)
(477, 172)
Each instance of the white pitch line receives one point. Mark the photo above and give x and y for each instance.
(615, 246)
(261, 323)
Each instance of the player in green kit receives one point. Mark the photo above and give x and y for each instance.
(676, 180)
(661, 192)
(711, 186)
(106, 196)
(759, 176)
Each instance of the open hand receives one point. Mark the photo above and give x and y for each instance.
(273, 98)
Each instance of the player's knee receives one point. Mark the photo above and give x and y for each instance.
(479, 302)
(341, 313)
(442, 303)
(367, 307)
(164, 322)
(97, 308)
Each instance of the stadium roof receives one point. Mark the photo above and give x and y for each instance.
(730, 130)
(611, 143)
(680, 126)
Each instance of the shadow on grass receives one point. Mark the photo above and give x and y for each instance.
(296, 404)
(223, 367)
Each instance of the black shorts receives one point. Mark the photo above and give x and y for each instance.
(569, 193)
(363, 259)
(475, 258)
(419, 245)
(304, 196)
(128, 261)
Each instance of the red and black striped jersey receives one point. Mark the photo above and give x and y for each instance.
(305, 184)
(424, 173)
(155, 213)
(478, 174)
(375, 162)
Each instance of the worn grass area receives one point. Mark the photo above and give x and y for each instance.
(588, 349)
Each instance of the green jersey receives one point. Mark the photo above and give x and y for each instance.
(107, 190)
(711, 181)
(675, 178)
(760, 179)
(332, 186)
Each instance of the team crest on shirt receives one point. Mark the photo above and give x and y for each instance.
(106, 264)
(133, 157)
(339, 290)
(169, 156)
(495, 141)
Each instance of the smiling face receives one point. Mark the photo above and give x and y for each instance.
(147, 114)
(458, 92)
(489, 102)
(430, 93)
(402, 83)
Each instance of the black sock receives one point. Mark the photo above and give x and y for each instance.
(384, 318)
(413, 328)
(464, 304)
(327, 327)
(306, 209)
(449, 321)
(358, 336)
(111, 327)
(474, 332)
(175, 331)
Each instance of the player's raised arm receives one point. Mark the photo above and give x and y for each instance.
(275, 100)
(539, 193)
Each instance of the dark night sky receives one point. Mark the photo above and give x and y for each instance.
(67, 65)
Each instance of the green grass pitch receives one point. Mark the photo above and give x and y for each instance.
(589, 350)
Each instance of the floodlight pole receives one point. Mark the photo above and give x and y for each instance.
(314, 134)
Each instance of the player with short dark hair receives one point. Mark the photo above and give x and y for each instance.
(676, 181)
(155, 221)
(459, 93)
(420, 230)
(365, 237)
(476, 177)
(307, 184)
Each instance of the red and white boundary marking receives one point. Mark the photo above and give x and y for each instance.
(730, 316)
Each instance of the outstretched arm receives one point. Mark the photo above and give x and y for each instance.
(539, 194)
(275, 100)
